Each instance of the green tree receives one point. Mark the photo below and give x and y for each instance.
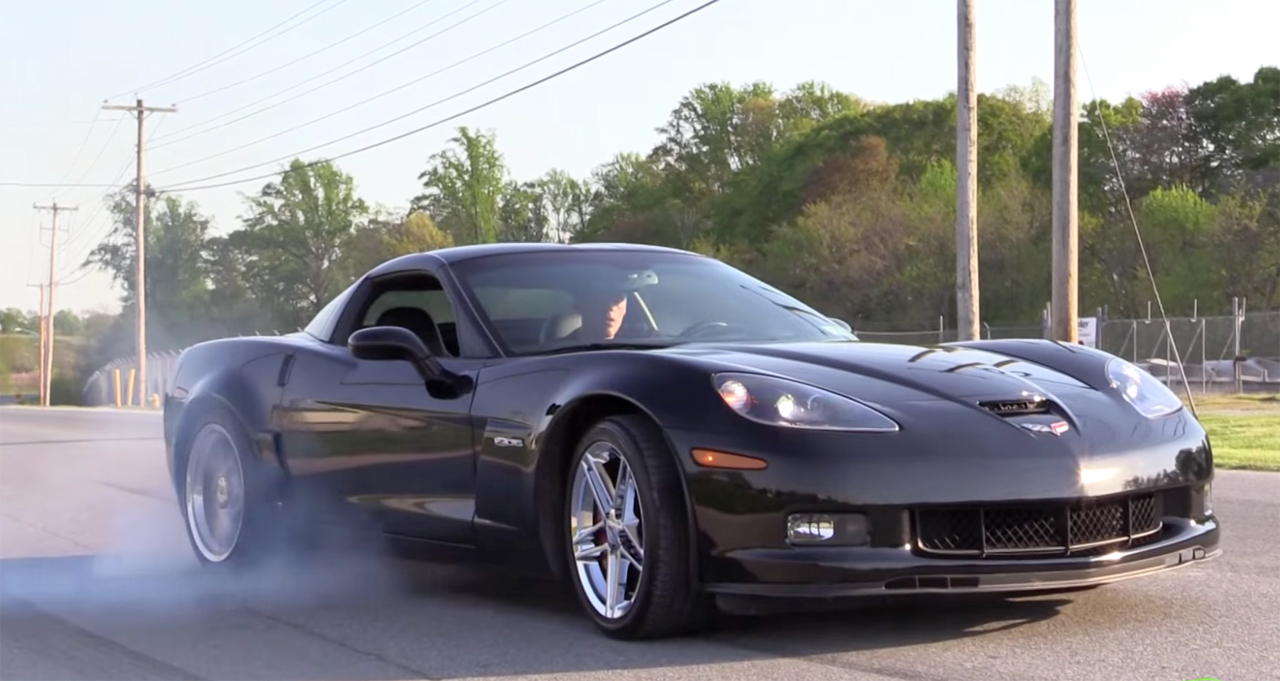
(568, 204)
(292, 240)
(464, 187)
(387, 238)
(13, 320)
(1236, 126)
(176, 265)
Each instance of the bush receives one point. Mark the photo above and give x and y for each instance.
(63, 390)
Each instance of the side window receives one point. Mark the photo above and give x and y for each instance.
(419, 304)
(435, 303)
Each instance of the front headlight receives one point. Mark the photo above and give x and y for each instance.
(780, 402)
(1139, 388)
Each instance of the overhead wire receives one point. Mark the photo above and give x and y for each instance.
(83, 143)
(38, 185)
(98, 208)
(74, 240)
(387, 92)
(44, 124)
(325, 73)
(93, 164)
(173, 78)
(286, 65)
(1133, 218)
(182, 185)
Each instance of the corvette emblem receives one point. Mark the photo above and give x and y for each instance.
(1057, 427)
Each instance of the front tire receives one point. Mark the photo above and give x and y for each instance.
(628, 542)
(225, 494)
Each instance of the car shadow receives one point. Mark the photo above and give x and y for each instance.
(411, 620)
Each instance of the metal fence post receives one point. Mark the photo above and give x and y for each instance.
(1235, 339)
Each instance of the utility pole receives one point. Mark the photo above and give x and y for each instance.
(40, 317)
(140, 110)
(967, 297)
(1066, 121)
(46, 377)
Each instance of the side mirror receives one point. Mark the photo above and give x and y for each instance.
(389, 343)
(842, 324)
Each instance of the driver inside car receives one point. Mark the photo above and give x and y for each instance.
(598, 315)
(602, 312)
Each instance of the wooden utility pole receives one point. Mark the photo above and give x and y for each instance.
(967, 298)
(140, 288)
(46, 359)
(40, 373)
(1066, 121)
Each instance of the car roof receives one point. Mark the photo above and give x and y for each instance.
(456, 254)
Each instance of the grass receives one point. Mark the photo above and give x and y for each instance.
(1244, 430)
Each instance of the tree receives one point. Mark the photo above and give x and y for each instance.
(293, 237)
(1236, 126)
(13, 320)
(177, 265)
(386, 238)
(568, 204)
(464, 187)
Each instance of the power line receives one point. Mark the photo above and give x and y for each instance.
(83, 143)
(98, 208)
(321, 75)
(103, 150)
(211, 60)
(47, 124)
(54, 184)
(447, 119)
(306, 56)
(415, 81)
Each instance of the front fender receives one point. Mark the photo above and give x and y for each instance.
(248, 392)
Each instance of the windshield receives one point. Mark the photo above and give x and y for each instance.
(561, 300)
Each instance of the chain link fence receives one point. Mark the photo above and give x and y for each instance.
(1196, 352)
(116, 384)
(1230, 353)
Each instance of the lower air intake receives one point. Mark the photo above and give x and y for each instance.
(1038, 530)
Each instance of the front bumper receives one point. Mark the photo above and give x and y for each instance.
(833, 572)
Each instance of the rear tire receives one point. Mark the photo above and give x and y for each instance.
(624, 464)
(227, 497)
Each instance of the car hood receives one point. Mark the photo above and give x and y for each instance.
(890, 374)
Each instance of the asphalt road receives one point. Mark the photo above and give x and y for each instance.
(97, 582)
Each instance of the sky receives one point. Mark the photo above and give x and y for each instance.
(65, 59)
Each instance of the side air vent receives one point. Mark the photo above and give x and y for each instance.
(1017, 407)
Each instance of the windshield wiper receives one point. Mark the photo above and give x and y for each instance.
(605, 345)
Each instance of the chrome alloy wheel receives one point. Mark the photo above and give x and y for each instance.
(606, 522)
(214, 493)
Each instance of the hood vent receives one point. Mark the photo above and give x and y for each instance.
(1021, 406)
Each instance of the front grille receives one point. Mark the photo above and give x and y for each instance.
(1037, 529)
